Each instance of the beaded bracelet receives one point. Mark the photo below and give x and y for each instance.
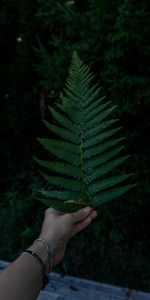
(40, 262)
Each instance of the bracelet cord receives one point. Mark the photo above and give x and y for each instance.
(41, 263)
(48, 251)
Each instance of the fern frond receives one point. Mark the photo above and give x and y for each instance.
(96, 111)
(65, 146)
(94, 105)
(96, 130)
(86, 151)
(60, 194)
(95, 150)
(106, 168)
(99, 138)
(64, 183)
(110, 194)
(107, 183)
(60, 118)
(102, 158)
(63, 133)
(91, 94)
(60, 153)
(101, 117)
(62, 206)
(61, 167)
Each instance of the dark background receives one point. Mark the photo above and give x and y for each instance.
(36, 43)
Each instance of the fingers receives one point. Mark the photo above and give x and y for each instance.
(81, 225)
(53, 211)
(81, 214)
(76, 217)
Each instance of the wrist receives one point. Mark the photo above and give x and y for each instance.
(40, 249)
(38, 256)
(51, 243)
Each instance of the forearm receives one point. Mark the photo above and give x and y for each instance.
(23, 278)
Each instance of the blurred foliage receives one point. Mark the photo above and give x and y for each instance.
(36, 43)
(16, 204)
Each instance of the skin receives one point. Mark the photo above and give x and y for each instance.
(23, 278)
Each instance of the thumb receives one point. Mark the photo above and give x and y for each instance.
(81, 214)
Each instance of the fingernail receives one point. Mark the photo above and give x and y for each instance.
(87, 210)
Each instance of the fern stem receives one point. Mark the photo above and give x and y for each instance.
(84, 187)
(81, 162)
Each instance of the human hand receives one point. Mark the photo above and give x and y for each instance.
(58, 228)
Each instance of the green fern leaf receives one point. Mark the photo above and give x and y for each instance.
(96, 111)
(60, 194)
(106, 168)
(85, 153)
(61, 167)
(94, 105)
(95, 150)
(61, 205)
(100, 117)
(60, 118)
(107, 183)
(100, 137)
(103, 158)
(110, 194)
(96, 130)
(63, 133)
(61, 150)
(90, 94)
(64, 183)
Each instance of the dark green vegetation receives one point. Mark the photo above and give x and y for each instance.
(36, 44)
(85, 151)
